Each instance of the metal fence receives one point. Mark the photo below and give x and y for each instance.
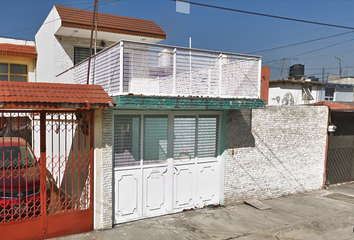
(149, 69)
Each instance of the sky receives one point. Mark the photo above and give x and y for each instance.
(280, 43)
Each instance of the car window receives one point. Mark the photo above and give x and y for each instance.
(16, 156)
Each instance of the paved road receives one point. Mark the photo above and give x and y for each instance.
(325, 214)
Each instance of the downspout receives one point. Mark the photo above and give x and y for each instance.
(326, 150)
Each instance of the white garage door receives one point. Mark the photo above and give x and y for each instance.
(165, 162)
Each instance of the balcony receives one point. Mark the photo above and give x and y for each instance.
(127, 68)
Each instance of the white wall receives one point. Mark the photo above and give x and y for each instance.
(343, 94)
(289, 94)
(274, 152)
(45, 47)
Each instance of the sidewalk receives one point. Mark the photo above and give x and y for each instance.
(323, 214)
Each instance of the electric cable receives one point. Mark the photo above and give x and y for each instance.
(267, 15)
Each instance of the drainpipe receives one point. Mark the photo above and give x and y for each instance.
(326, 150)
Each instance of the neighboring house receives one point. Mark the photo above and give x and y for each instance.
(17, 60)
(341, 80)
(296, 92)
(64, 38)
(340, 147)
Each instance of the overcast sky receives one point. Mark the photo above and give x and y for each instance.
(221, 30)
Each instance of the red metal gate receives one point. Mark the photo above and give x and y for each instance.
(46, 173)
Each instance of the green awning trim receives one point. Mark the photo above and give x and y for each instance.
(184, 103)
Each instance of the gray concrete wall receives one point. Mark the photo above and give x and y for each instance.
(274, 152)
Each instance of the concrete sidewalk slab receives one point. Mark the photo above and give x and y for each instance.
(302, 216)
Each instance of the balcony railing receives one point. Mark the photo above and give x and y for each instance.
(150, 69)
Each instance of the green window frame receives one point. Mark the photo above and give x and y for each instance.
(13, 72)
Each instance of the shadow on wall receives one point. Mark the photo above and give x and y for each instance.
(242, 125)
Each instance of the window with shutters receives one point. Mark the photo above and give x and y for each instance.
(13, 72)
(153, 138)
(81, 53)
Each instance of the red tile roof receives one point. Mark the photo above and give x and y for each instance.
(337, 106)
(7, 49)
(28, 95)
(77, 18)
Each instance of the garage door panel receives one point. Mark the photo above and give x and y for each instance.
(127, 193)
(183, 190)
(208, 184)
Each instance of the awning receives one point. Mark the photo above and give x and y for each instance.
(185, 103)
(25, 95)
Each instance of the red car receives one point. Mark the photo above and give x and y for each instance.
(19, 180)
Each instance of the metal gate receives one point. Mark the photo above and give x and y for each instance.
(340, 157)
(46, 169)
(165, 162)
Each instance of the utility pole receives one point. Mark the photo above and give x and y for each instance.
(90, 50)
(340, 66)
(323, 74)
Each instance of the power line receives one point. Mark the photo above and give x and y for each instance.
(299, 43)
(267, 15)
(335, 44)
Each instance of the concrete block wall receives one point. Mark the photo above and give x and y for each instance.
(274, 152)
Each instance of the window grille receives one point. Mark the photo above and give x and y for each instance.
(329, 94)
(81, 53)
(155, 139)
(147, 136)
(184, 137)
(207, 136)
(126, 140)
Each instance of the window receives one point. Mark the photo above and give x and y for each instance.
(81, 53)
(153, 138)
(127, 140)
(13, 72)
(329, 94)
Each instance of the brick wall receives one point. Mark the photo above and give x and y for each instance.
(64, 51)
(104, 196)
(274, 152)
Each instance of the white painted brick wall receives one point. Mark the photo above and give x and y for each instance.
(274, 152)
(64, 51)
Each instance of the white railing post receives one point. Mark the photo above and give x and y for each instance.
(174, 71)
(220, 73)
(121, 66)
(209, 81)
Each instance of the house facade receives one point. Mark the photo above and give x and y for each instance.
(297, 92)
(165, 137)
(188, 128)
(17, 60)
(63, 40)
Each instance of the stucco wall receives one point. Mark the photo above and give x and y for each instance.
(274, 152)
(289, 94)
(30, 62)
